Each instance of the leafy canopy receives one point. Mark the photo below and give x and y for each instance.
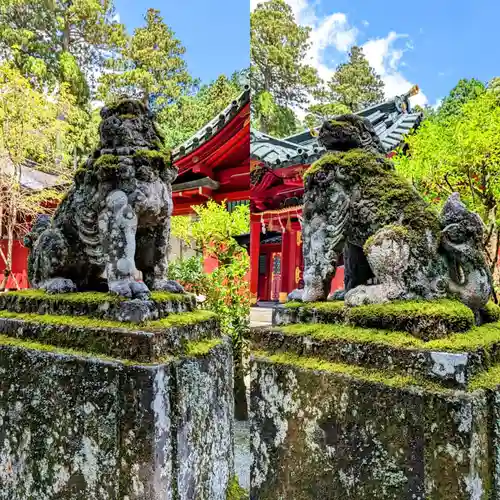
(150, 66)
(279, 76)
(59, 41)
(460, 151)
(354, 85)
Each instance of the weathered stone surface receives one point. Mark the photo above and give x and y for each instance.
(423, 319)
(96, 305)
(451, 369)
(355, 202)
(144, 345)
(115, 219)
(323, 434)
(76, 427)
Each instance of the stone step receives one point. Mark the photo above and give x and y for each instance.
(97, 305)
(425, 320)
(150, 342)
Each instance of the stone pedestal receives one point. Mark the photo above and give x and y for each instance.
(337, 413)
(108, 422)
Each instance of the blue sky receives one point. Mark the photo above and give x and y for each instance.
(429, 43)
(214, 32)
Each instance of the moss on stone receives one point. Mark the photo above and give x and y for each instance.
(327, 159)
(127, 116)
(293, 305)
(392, 378)
(481, 337)
(202, 347)
(490, 313)
(399, 233)
(354, 334)
(235, 491)
(489, 379)
(160, 159)
(92, 297)
(38, 346)
(107, 162)
(171, 321)
(427, 319)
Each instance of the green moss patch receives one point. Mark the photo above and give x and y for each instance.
(202, 347)
(158, 159)
(489, 379)
(353, 334)
(173, 320)
(90, 297)
(107, 161)
(38, 346)
(391, 379)
(481, 337)
(235, 491)
(425, 319)
(490, 313)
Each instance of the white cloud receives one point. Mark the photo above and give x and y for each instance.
(385, 58)
(334, 31)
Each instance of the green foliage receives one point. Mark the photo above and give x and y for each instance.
(353, 86)
(182, 118)
(225, 288)
(149, 65)
(189, 272)
(462, 93)
(279, 77)
(60, 41)
(279, 121)
(460, 153)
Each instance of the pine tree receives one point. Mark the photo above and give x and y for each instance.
(150, 67)
(279, 77)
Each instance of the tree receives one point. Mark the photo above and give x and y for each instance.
(354, 85)
(30, 129)
(462, 93)
(278, 121)
(150, 66)
(184, 117)
(279, 77)
(461, 153)
(59, 41)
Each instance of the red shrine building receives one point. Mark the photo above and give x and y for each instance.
(277, 166)
(215, 162)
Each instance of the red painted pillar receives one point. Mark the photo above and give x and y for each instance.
(254, 259)
(286, 263)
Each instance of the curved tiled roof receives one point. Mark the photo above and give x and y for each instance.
(390, 119)
(213, 126)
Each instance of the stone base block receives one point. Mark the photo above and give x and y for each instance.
(86, 428)
(320, 432)
(98, 305)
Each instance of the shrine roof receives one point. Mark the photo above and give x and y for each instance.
(214, 126)
(391, 119)
(31, 178)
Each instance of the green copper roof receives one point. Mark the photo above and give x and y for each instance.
(390, 119)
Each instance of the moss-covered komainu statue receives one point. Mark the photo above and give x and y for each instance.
(355, 202)
(115, 218)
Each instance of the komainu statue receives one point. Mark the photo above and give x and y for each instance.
(115, 219)
(357, 204)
